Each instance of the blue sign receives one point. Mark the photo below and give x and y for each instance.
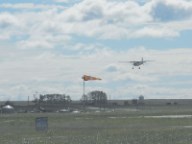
(41, 123)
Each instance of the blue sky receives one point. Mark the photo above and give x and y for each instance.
(46, 46)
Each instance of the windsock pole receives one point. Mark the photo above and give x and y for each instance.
(83, 87)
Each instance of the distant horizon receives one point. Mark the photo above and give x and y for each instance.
(107, 99)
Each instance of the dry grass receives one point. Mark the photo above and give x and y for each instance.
(120, 127)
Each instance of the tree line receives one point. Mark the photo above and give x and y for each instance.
(94, 98)
(53, 99)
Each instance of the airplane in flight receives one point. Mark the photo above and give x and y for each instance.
(136, 63)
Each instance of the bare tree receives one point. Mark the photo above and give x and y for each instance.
(97, 98)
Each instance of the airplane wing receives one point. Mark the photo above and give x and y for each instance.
(147, 61)
(127, 61)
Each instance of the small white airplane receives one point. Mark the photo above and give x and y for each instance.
(136, 63)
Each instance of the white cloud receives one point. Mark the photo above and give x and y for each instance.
(62, 1)
(8, 25)
(37, 48)
(44, 41)
(100, 19)
(50, 72)
(171, 10)
(32, 6)
(112, 19)
(7, 20)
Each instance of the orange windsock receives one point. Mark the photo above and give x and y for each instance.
(87, 78)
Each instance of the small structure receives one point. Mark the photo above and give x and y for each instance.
(141, 100)
(8, 109)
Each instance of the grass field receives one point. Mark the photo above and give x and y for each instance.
(122, 126)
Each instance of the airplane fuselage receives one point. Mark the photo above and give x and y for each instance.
(138, 63)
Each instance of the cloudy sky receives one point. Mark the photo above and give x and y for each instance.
(47, 46)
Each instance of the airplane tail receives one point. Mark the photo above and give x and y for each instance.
(142, 60)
